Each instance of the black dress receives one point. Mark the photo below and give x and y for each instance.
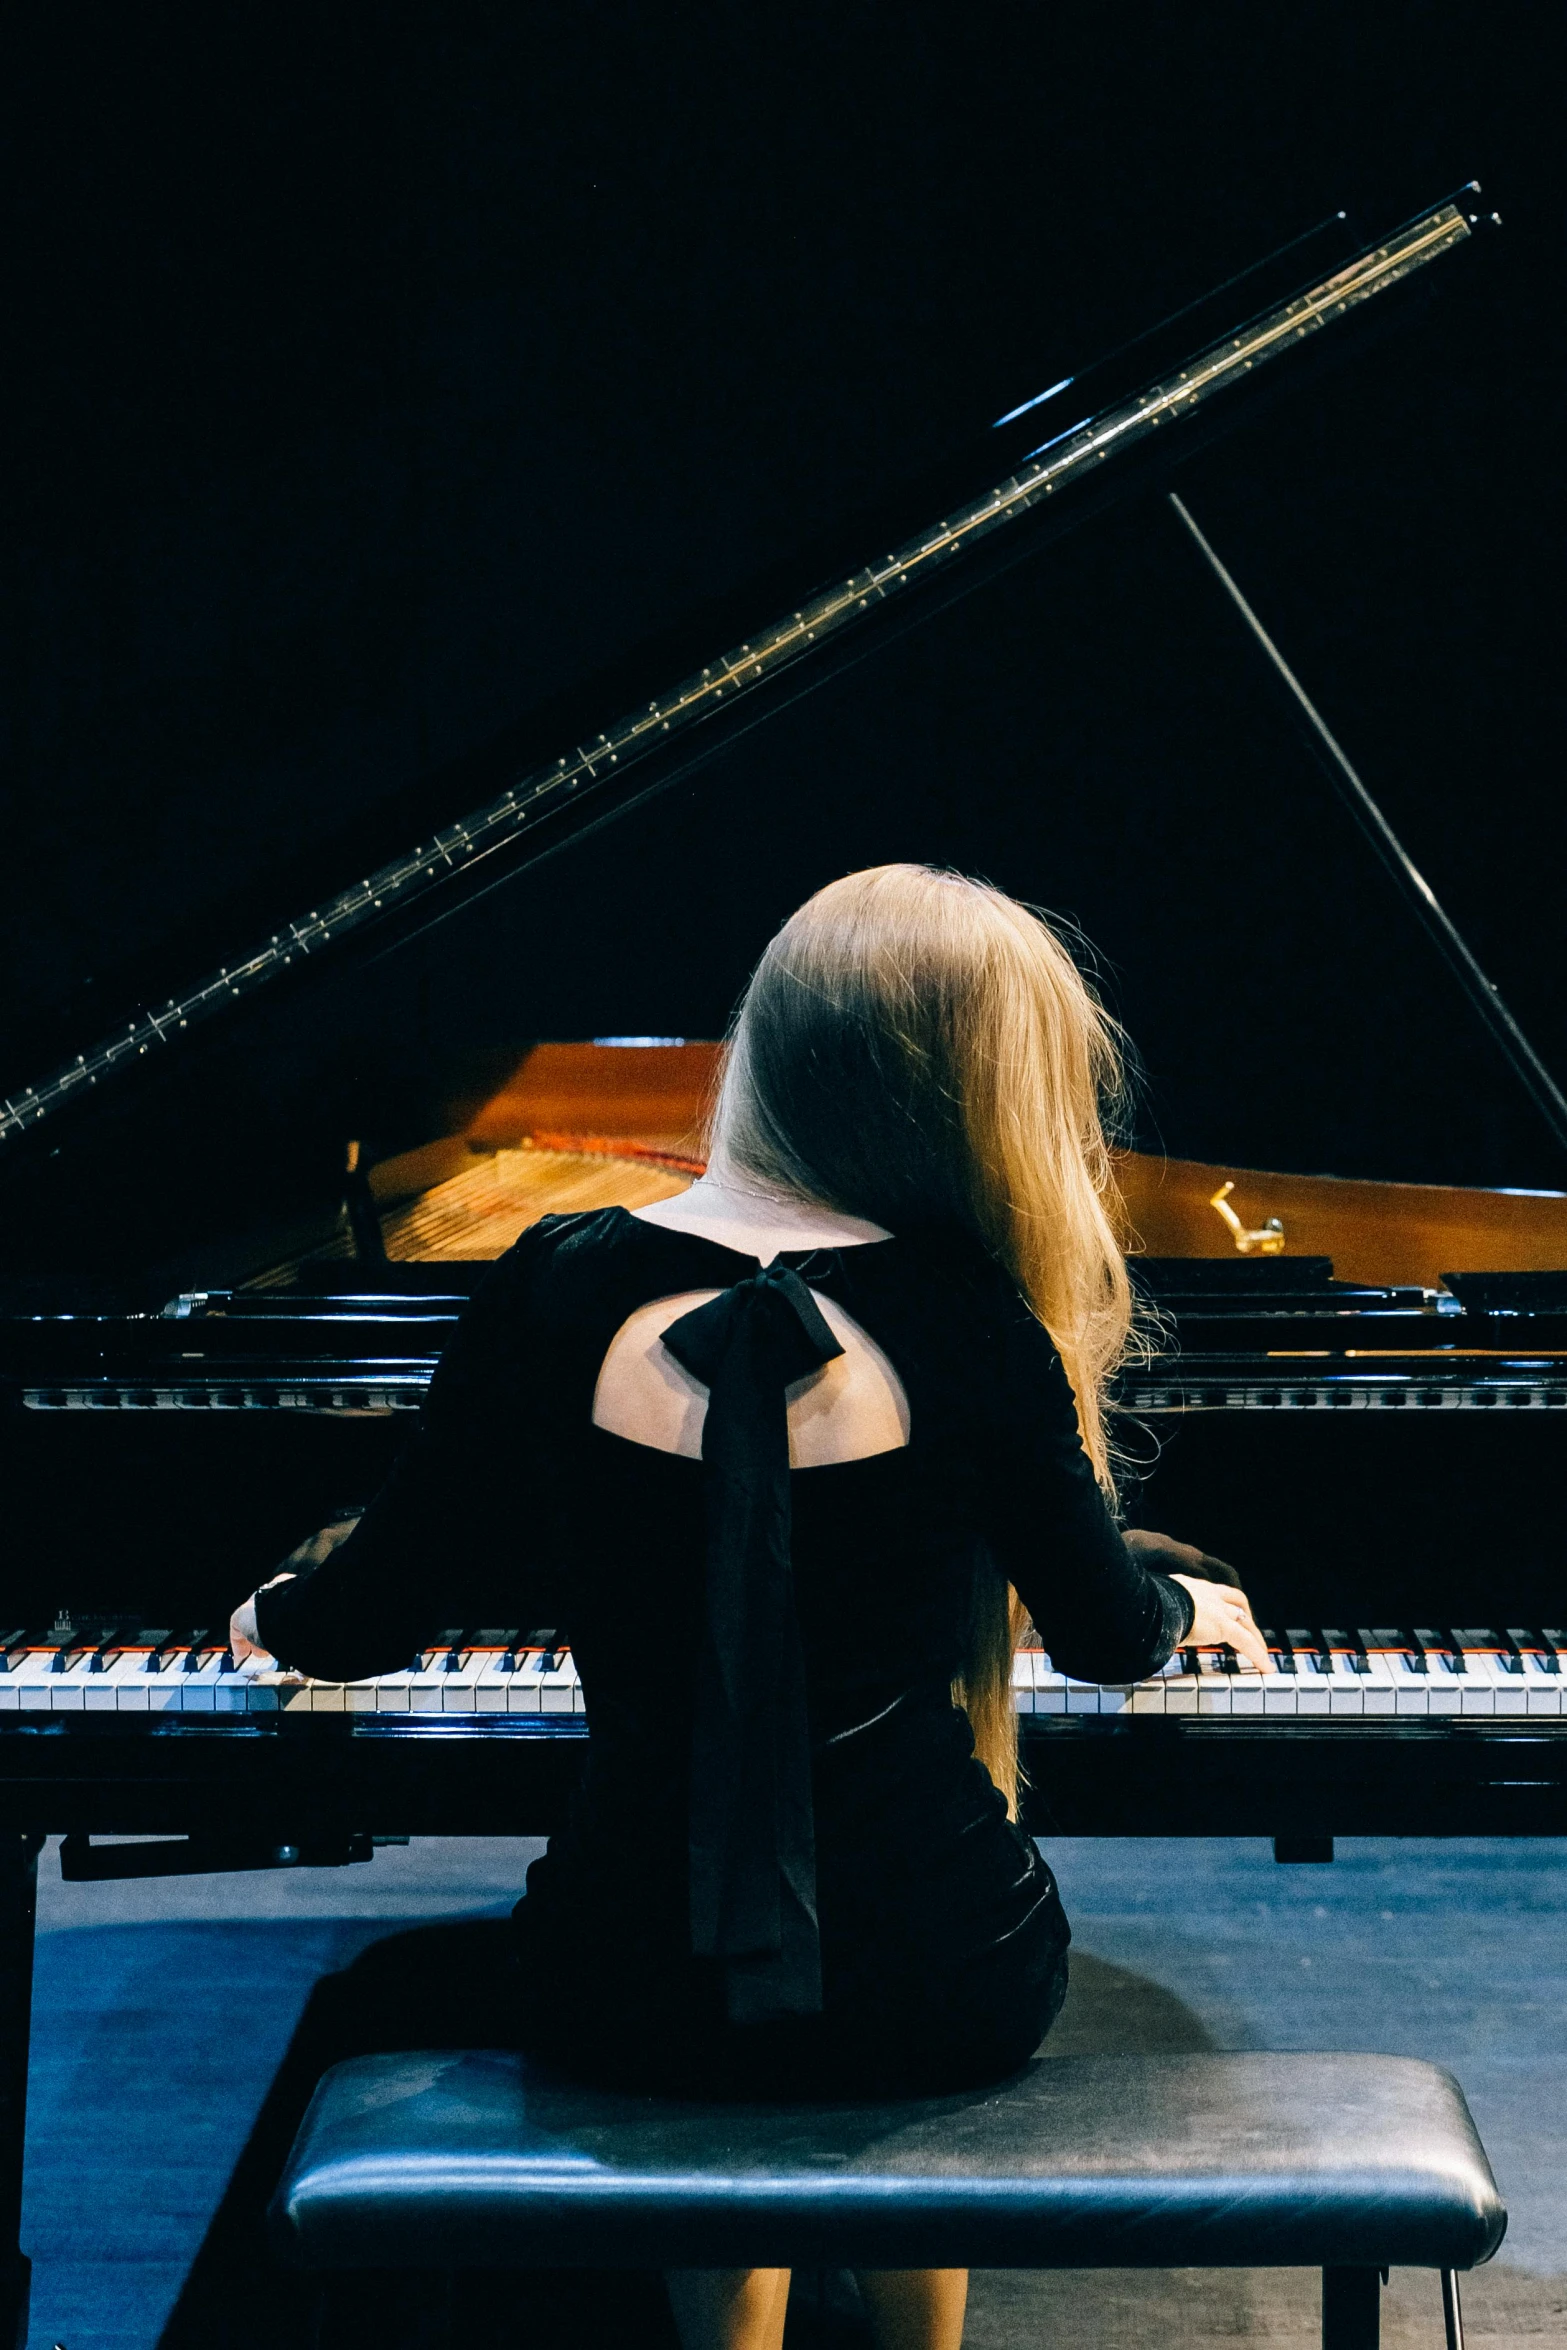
(936, 1954)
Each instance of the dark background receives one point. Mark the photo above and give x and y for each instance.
(377, 374)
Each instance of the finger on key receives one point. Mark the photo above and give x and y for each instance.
(1247, 1641)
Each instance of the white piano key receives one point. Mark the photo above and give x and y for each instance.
(491, 1685)
(1215, 1687)
(1115, 1697)
(560, 1692)
(1411, 1689)
(1313, 1688)
(1080, 1697)
(1377, 1690)
(1515, 1692)
(1543, 1691)
(1049, 1685)
(68, 1690)
(238, 1691)
(273, 1689)
(22, 1672)
(1280, 1694)
(1180, 1687)
(1345, 1687)
(357, 1697)
(158, 1685)
(523, 1687)
(199, 1688)
(98, 1686)
(425, 1687)
(124, 1682)
(37, 1682)
(459, 1686)
(1248, 1692)
(391, 1692)
(1483, 1684)
(262, 1683)
(1444, 1687)
(1023, 1680)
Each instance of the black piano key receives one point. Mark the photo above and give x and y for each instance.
(1349, 1643)
(108, 1649)
(1414, 1645)
(1279, 1646)
(1308, 1644)
(12, 1649)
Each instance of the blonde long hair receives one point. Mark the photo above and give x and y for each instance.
(921, 1050)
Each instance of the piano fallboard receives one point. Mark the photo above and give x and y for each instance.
(1360, 1454)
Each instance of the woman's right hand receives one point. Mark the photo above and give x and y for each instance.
(1223, 1619)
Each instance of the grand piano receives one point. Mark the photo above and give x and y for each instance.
(1357, 1391)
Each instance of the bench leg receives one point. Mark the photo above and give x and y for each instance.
(1350, 2308)
(1452, 2310)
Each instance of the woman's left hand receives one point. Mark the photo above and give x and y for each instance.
(244, 1639)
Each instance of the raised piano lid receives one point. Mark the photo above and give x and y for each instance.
(293, 1013)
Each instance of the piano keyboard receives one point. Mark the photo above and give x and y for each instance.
(502, 1673)
(1327, 1674)
(1311, 1676)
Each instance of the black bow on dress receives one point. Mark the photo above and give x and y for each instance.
(752, 1822)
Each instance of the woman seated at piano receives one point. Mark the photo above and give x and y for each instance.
(796, 1453)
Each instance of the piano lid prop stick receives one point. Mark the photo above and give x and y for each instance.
(1483, 993)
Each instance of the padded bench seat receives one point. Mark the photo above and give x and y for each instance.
(487, 2159)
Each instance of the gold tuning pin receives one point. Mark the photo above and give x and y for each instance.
(1266, 1241)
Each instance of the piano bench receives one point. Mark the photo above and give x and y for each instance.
(1350, 2164)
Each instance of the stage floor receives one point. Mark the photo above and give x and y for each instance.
(165, 2011)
